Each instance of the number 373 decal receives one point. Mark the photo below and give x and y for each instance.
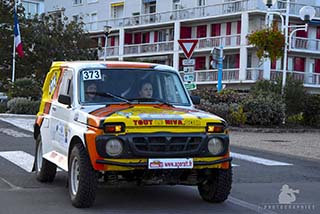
(91, 75)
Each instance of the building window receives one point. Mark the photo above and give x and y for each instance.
(201, 3)
(162, 35)
(176, 5)
(91, 1)
(231, 61)
(149, 6)
(94, 19)
(31, 8)
(75, 18)
(77, 2)
(117, 10)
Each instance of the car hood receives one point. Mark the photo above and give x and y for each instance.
(147, 118)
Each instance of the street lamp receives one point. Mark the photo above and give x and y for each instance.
(107, 30)
(307, 13)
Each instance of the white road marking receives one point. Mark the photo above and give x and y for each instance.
(243, 204)
(19, 158)
(258, 160)
(248, 205)
(23, 123)
(234, 165)
(13, 133)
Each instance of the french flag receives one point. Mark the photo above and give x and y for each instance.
(17, 37)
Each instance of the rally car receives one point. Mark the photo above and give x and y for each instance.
(114, 122)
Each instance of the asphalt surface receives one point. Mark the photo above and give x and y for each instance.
(256, 187)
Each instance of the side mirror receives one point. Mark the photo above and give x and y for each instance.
(195, 100)
(64, 99)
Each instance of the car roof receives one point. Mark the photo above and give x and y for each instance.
(110, 64)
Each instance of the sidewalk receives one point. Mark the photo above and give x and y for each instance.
(297, 142)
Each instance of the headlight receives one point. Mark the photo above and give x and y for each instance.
(215, 146)
(114, 147)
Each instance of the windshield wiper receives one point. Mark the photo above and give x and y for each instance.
(140, 99)
(107, 94)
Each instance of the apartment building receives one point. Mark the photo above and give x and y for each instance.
(148, 30)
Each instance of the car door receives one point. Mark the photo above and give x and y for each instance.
(62, 115)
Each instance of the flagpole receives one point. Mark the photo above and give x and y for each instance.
(14, 50)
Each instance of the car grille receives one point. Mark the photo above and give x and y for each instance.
(162, 145)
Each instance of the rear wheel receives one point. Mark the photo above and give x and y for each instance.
(216, 188)
(45, 170)
(82, 178)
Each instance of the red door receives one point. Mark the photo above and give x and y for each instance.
(201, 31)
(228, 32)
(200, 63)
(299, 64)
(185, 32)
(127, 38)
(317, 66)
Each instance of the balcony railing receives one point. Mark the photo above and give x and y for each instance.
(305, 77)
(295, 7)
(209, 76)
(196, 12)
(225, 41)
(254, 74)
(188, 13)
(149, 48)
(111, 51)
(305, 44)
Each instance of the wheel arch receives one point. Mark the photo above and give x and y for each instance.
(74, 141)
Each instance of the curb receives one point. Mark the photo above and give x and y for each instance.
(26, 116)
(275, 130)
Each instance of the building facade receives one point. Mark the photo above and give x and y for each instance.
(149, 30)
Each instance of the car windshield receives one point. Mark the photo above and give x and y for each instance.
(106, 86)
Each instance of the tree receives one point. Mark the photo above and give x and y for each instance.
(270, 42)
(45, 38)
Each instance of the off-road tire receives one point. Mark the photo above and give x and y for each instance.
(217, 187)
(82, 178)
(45, 170)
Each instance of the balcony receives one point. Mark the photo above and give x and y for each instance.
(225, 41)
(111, 52)
(199, 12)
(254, 74)
(306, 44)
(184, 14)
(211, 76)
(158, 47)
(295, 7)
(308, 79)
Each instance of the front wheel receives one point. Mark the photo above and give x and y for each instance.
(82, 178)
(45, 170)
(216, 188)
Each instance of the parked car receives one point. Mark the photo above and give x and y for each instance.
(3, 97)
(127, 122)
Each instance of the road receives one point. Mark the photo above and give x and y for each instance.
(258, 179)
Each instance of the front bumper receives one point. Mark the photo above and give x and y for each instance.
(131, 164)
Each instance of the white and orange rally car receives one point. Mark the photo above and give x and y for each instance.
(94, 123)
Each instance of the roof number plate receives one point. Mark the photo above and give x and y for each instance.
(91, 75)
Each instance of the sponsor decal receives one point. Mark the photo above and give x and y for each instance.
(160, 116)
(142, 122)
(157, 122)
(53, 84)
(91, 75)
(173, 163)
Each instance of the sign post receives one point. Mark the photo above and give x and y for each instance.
(188, 46)
(217, 56)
